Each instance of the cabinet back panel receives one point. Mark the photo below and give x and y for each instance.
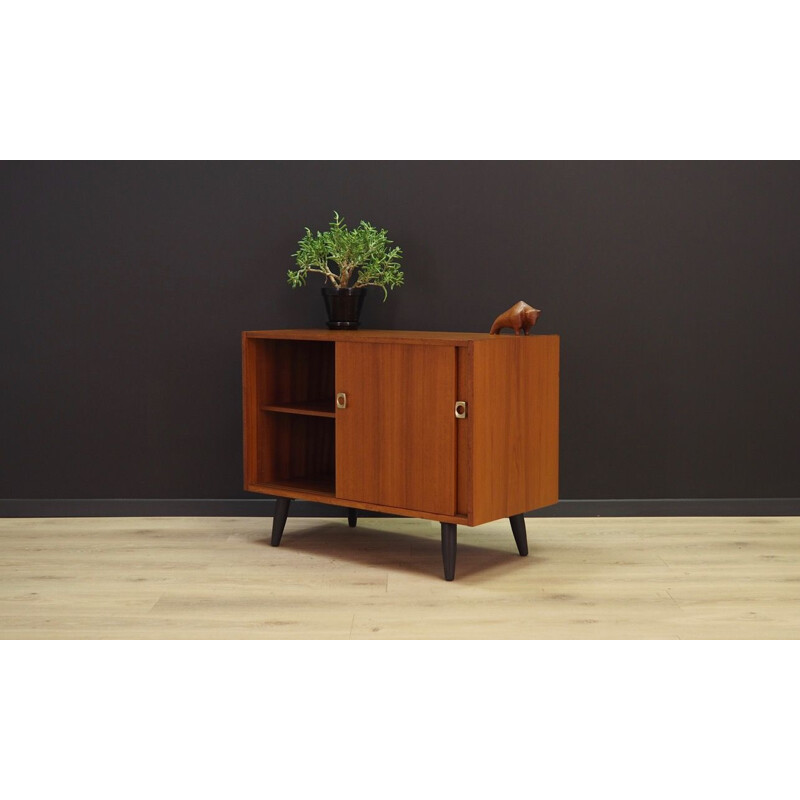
(295, 371)
(293, 446)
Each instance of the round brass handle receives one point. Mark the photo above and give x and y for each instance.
(341, 400)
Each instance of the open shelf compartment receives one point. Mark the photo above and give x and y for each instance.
(291, 446)
(297, 450)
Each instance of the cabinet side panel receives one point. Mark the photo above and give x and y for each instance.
(515, 425)
(249, 410)
(258, 377)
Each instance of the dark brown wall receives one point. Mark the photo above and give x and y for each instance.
(674, 286)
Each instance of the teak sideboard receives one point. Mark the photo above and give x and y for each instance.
(461, 428)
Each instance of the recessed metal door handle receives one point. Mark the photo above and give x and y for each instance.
(461, 409)
(341, 400)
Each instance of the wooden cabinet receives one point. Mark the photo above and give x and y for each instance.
(368, 420)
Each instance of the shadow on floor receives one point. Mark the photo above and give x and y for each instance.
(415, 553)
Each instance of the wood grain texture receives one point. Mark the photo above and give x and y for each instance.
(514, 412)
(396, 440)
(295, 372)
(250, 409)
(322, 492)
(312, 408)
(218, 578)
(441, 338)
(397, 447)
(464, 433)
(287, 390)
(300, 448)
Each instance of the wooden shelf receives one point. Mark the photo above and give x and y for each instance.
(325, 485)
(314, 408)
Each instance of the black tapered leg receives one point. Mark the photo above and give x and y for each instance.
(520, 536)
(449, 550)
(279, 519)
(352, 516)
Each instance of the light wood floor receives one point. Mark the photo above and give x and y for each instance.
(211, 578)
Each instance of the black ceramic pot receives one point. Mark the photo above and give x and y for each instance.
(343, 307)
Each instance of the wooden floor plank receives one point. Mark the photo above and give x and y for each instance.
(218, 578)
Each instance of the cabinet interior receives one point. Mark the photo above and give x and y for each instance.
(296, 418)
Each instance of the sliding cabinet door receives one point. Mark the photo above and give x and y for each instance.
(396, 435)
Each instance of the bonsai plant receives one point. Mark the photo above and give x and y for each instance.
(360, 257)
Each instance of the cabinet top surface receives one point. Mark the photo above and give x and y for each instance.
(428, 337)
